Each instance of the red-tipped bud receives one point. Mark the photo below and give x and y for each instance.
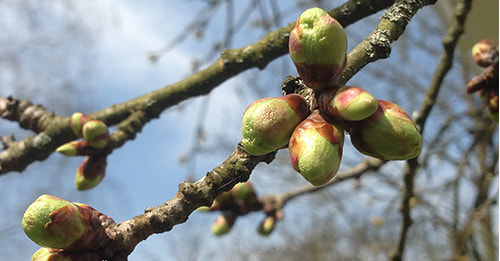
(483, 52)
(318, 48)
(223, 224)
(77, 148)
(268, 123)
(388, 134)
(316, 149)
(90, 173)
(96, 133)
(348, 103)
(59, 224)
(78, 119)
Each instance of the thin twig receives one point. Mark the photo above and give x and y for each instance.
(446, 61)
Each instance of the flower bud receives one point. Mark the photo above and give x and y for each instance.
(53, 222)
(348, 103)
(78, 119)
(316, 149)
(96, 133)
(267, 226)
(90, 173)
(268, 123)
(203, 209)
(59, 224)
(242, 190)
(77, 148)
(483, 52)
(48, 254)
(223, 201)
(493, 105)
(318, 48)
(223, 224)
(388, 134)
(41, 253)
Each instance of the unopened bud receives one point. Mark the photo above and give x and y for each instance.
(77, 148)
(90, 172)
(242, 190)
(268, 123)
(348, 102)
(266, 227)
(96, 133)
(388, 134)
(223, 224)
(318, 48)
(53, 222)
(316, 149)
(483, 52)
(78, 119)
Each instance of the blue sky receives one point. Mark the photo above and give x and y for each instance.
(146, 171)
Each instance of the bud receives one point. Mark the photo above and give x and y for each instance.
(96, 133)
(223, 201)
(59, 224)
(90, 173)
(493, 105)
(77, 148)
(316, 149)
(203, 209)
(41, 253)
(268, 123)
(483, 52)
(223, 224)
(267, 226)
(348, 103)
(48, 254)
(388, 134)
(318, 48)
(78, 119)
(53, 222)
(242, 190)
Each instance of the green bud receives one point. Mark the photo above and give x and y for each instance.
(96, 133)
(268, 123)
(48, 254)
(69, 149)
(40, 253)
(388, 134)
(493, 105)
(242, 190)
(53, 222)
(348, 103)
(90, 172)
(266, 227)
(77, 148)
(78, 119)
(318, 48)
(316, 149)
(223, 224)
(483, 52)
(203, 209)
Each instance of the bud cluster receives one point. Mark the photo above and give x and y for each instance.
(315, 132)
(238, 201)
(95, 136)
(485, 54)
(59, 225)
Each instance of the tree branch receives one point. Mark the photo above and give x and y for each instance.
(231, 62)
(237, 168)
(446, 61)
